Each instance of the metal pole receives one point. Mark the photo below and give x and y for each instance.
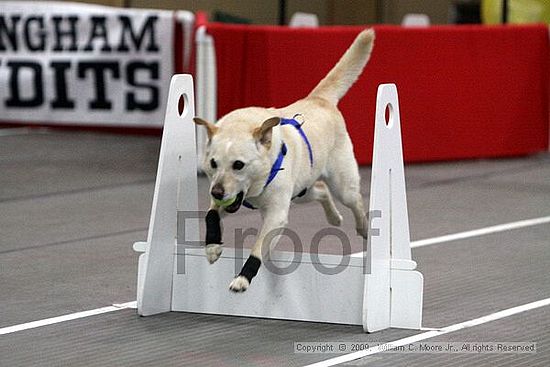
(380, 11)
(282, 12)
(504, 11)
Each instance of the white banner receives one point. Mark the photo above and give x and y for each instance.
(71, 63)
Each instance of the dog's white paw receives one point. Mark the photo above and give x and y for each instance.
(213, 252)
(239, 284)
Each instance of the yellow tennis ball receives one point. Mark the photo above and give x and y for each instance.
(225, 203)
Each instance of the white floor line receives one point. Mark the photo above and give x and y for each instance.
(72, 316)
(476, 232)
(426, 242)
(13, 131)
(430, 334)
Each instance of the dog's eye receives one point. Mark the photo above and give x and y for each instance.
(213, 164)
(238, 165)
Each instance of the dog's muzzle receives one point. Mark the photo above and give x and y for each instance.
(236, 204)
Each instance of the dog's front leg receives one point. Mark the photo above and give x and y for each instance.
(275, 219)
(213, 233)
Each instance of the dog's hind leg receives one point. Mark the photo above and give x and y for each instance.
(320, 192)
(344, 182)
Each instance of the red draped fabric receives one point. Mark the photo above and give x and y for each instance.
(464, 91)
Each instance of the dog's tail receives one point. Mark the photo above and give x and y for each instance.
(342, 76)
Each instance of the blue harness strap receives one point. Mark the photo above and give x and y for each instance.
(275, 168)
(246, 204)
(279, 161)
(298, 127)
(277, 165)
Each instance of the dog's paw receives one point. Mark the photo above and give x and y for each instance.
(213, 252)
(335, 219)
(363, 232)
(239, 284)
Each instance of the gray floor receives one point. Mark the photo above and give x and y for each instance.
(72, 204)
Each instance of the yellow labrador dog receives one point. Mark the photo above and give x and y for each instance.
(267, 157)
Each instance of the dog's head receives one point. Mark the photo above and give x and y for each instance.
(237, 159)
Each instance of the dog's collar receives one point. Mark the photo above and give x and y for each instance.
(277, 165)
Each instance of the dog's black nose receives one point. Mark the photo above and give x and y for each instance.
(217, 191)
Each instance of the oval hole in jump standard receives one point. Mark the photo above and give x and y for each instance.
(182, 105)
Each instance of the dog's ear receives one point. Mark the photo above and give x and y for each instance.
(263, 133)
(211, 129)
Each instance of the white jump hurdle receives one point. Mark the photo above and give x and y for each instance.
(174, 277)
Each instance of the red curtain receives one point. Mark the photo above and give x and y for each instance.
(464, 91)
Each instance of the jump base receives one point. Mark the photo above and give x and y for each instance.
(304, 294)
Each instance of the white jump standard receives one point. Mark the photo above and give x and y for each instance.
(393, 290)
(174, 277)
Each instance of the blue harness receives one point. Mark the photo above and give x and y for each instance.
(277, 165)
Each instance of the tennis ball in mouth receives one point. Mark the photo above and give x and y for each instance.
(225, 203)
